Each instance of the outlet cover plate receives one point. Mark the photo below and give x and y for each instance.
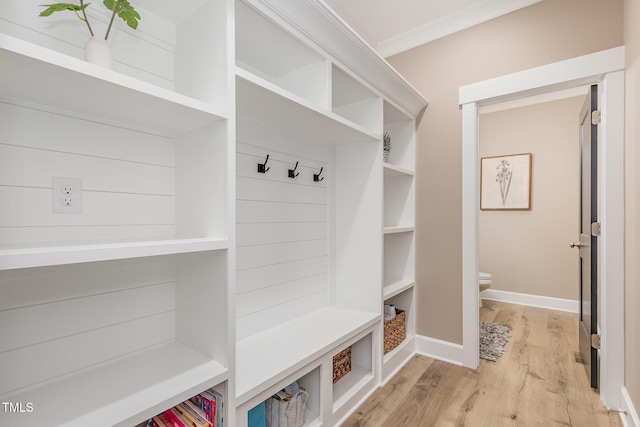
(67, 195)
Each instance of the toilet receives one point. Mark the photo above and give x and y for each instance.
(484, 280)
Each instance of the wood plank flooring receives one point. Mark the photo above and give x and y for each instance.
(536, 382)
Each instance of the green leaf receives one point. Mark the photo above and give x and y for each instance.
(124, 10)
(58, 7)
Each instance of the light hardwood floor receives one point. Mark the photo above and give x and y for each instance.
(536, 382)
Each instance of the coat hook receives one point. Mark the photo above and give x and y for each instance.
(316, 177)
(262, 166)
(292, 172)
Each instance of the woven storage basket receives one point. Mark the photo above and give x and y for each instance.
(395, 331)
(341, 364)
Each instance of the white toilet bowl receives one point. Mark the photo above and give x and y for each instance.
(484, 280)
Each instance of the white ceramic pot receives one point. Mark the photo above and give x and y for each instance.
(385, 156)
(97, 51)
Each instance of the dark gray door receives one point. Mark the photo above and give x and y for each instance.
(589, 230)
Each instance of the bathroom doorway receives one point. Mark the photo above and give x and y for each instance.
(605, 68)
(527, 250)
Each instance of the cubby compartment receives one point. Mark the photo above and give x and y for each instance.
(361, 373)
(208, 406)
(401, 129)
(354, 102)
(399, 206)
(180, 51)
(137, 190)
(396, 357)
(272, 54)
(399, 263)
(309, 379)
(112, 342)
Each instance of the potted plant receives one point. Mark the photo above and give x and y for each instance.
(386, 146)
(97, 51)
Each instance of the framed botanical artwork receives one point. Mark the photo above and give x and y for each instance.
(505, 182)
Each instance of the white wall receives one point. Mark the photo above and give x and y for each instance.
(528, 251)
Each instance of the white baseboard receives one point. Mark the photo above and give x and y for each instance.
(572, 306)
(630, 419)
(438, 349)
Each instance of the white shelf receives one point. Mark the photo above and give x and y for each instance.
(394, 230)
(36, 75)
(391, 170)
(349, 385)
(271, 356)
(124, 392)
(26, 256)
(267, 103)
(396, 288)
(396, 358)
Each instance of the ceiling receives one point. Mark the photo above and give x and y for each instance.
(393, 26)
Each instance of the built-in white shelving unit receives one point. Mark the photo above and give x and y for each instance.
(399, 229)
(104, 307)
(182, 266)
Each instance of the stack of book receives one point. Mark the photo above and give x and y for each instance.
(203, 410)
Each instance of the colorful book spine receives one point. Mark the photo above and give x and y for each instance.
(197, 412)
(207, 404)
(174, 418)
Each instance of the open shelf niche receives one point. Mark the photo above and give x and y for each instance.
(401, 129)
(308, 379)
(135, 327)
(362, 371)
(183, 51)
(274, 55)
(353, 101)
(395, 358)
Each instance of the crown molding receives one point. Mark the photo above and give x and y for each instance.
(468, 17)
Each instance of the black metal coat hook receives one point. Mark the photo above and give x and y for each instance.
(262, 166)
(316, 177)
(292, 172)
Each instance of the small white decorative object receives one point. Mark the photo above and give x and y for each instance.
(386, 146)
(97, 51)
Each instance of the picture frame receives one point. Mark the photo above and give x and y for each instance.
(505, 182)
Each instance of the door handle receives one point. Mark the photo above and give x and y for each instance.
(576, 245)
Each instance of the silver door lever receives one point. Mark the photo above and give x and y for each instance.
(576, 245)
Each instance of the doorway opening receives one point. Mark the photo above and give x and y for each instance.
(606, 69)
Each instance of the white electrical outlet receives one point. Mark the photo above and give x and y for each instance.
(67, 195)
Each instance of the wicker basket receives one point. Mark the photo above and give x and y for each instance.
(395, 331)
(341, 364)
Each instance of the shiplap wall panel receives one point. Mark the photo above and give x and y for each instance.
(26, 366)
(268, 233)
(33, 207)
(282, 234)
(81, 315)
(35, 168)
(23, 125)
(246, 325)
(264, 190)
(9, 236)
(255, 278)
(126, 193)
(78, 315)
(273, 296)
(28, 287)
(263, 255)
(255, 212)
